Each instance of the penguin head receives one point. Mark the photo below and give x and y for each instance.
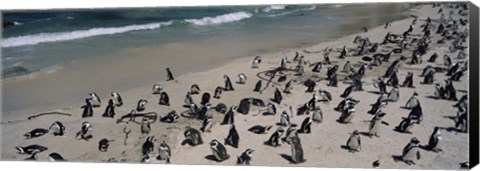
(414, 140)
(249, 152)
(214, 143)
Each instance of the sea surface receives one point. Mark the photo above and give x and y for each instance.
(45, 42)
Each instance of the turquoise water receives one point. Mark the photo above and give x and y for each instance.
(44, 41)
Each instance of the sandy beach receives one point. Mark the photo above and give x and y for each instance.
(322, 147)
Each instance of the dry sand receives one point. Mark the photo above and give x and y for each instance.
(322, 147)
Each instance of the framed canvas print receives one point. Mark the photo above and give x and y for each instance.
(325, 85)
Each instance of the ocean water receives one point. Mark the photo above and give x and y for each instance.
(43, 41)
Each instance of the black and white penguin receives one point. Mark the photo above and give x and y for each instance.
(375, 123)
(169, 75)
(164, 152)
(447, 61)
(296, 148)
(258, 86)
(411, 151)
(242, 78)
(117, 99)
(109, 110)
(228, 84)
(354, 143)
(435, 138)
(193, 137)
(347, 115)
(457, 76)
(305, 128)
(317, 115)
(282, 78)
(259, 129)
(85, 131)
(433, 58)
(244, 106)
(461, 122)
(103, 145)
(219, 151)
(207, 124)
(171, 117)
(271, 109)
(318, 66)
(31, 149)
(33, 157)
(205, 98)
(147, 148)
(325, 95)
(310, 85)
(87, 109)
(188, 99)
(37, 132)
(450, 92)
(157, 89)
(274, 140)
(406, 124)
(229, 117)
(164, 99)
(394, 94)
(257, 60)
(141, 105)
(195, 89)
(245, 158)
(347, 91)
(220, 107)
(232, 138)
(408, 80)
(218, 92)
(289, 86)
(55, 157)
(57, 128)
(413, 101)
(94, 99)
(277, 98)
(417, 113)
(284, 119)
(332, 81)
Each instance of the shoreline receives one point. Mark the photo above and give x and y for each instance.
(323, 153)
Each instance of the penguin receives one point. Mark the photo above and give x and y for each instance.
(85, 132)
(257, 60)
(94, 99)
(245, 158)
(31, 149)
(296, 148)
(55, 157)
(347, 115)
(33, 157)
(169, 75)
(141, 105)
(205, 98)
(193, 137)
(277, 98)
(194, 89)
(242, 78)
(145, 127)
(413, 101)
(164, 152)
(381, 103)
(347, 67)
(411, 151)
(157, 89)
(147, 148)
(229, 117)
(57, 128)
(284, 119)
(258, 86)
(164, 99)
(332, 81)
(450, 92)
(87, 109)
(275, 137)
(325, 95)
(354, 143)
(207, 124)
(306, 126)
(461, 54)
(406, 124)
(447, 61)
(244, 106)
(439, 91)
(311, 85)
(282, 78)
(232, 138)
(461, 122)
(291, 132)
(258, 129)
(271, 109)
(381, 85)
(117, 99)
(109, 110)
(457, 76)
(288, 86)
(433, 58)
(347, 91)
(228, 84)
(375, 124)
(219, 151)
(394, 94)
(453, 69)
(188, 99)
(374, 48)
(318, 66)
(429, 78)
(205, 112)
(361, 70)
(37, 132)
(171, 117)
(408, 80)
(222, 108)
(218, 92)
(317, 115)
(103, 145)
(435, 138)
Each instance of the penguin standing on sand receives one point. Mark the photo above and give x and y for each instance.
(145, 127)
(85, 132)
(413, 101)
(354, 143)
(57, 128)
(219, 151)
(228, 84)
(435, 138)
(258, 86)
(218, 92)
(205, 98)
(103, 145)
(242, 78)
(117, 99)
(317, 115)
(284, 119)
(277, 98)
(169, 75)
(439, 91)
(157, 89)
(164, 99)
(375, 124)
(406, 124)
(87, 109)
(193, 137)
(245, 158)
(257, 60)
(94, 99)
(317, 67)
(288, 86)
(347, 91)
(147, 148)
(347, 115)
(229, 117)
(411, 151)
(408, 80)
(141, 105)
(450, 92)
(461, 122)
(296, 148)
(194, 89)
(110, 110)
(164, 152)
(232, 138)
(394, 94)
(207, 124)
(274, 140)
(306, 126)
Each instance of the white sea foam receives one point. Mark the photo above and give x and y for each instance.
(273, 7)
(293, 11)
(225, 18)
(78, 34)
